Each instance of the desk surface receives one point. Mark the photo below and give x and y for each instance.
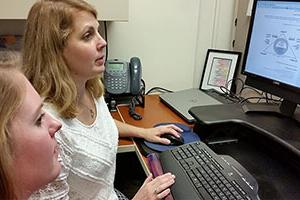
(153, 113)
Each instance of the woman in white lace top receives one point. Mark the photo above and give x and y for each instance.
(63, 58)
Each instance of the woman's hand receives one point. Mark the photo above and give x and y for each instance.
(157, 188)
(154, 134)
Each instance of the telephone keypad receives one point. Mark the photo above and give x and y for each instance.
(117, 84)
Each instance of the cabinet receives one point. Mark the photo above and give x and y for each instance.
(108, 10)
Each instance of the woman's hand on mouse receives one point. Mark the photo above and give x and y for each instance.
(150, 134)
(154, 134)
(155, 188)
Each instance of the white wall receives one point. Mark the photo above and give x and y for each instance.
(171, 37)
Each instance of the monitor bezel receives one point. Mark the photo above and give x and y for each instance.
(288, 93)
(262, 82)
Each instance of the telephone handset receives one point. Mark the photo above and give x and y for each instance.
(121, 77)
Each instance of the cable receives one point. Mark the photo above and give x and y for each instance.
(251, 88)
(160, 89)
(228, 93)
(272, 99)
(142, 91)
(246, 99)
(241, 81)
(132, 112)
(137, 99)
(262, 95)
(267, 98)
(231, 80)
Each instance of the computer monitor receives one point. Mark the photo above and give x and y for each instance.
(272, 54)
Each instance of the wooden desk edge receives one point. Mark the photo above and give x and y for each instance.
(142, 159)
(128, 145)
(161, 114)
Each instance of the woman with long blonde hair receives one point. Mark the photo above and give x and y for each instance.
(64, 57)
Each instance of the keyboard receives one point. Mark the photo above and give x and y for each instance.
(202, 174)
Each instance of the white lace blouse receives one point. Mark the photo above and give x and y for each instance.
(88, 154)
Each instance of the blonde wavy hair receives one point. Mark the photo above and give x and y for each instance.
(48, 27)
(10, 100)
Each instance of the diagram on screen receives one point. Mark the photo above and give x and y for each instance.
(281, 46)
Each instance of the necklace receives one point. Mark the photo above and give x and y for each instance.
(91, 111)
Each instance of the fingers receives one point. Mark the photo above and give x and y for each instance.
(157, 188)
(162, 183)
(164, 141)
(154, 134)
(167, 129)
(174, 130)
(163, 194)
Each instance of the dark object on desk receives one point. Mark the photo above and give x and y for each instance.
(174, 141)
(202, 174)
(136, 100)
(267, 145)
(132, 112)
(113, 101)
(188, 136)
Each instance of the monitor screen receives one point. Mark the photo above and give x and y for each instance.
(272, 54)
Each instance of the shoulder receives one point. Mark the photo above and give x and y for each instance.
(100, 100)
(100, 103)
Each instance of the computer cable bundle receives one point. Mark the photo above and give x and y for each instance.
(262, 96)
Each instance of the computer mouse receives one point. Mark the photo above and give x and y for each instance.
(175, 141)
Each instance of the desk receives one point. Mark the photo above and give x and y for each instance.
(272, 187)
(153, 113)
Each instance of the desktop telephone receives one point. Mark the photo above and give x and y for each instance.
(121, 77)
